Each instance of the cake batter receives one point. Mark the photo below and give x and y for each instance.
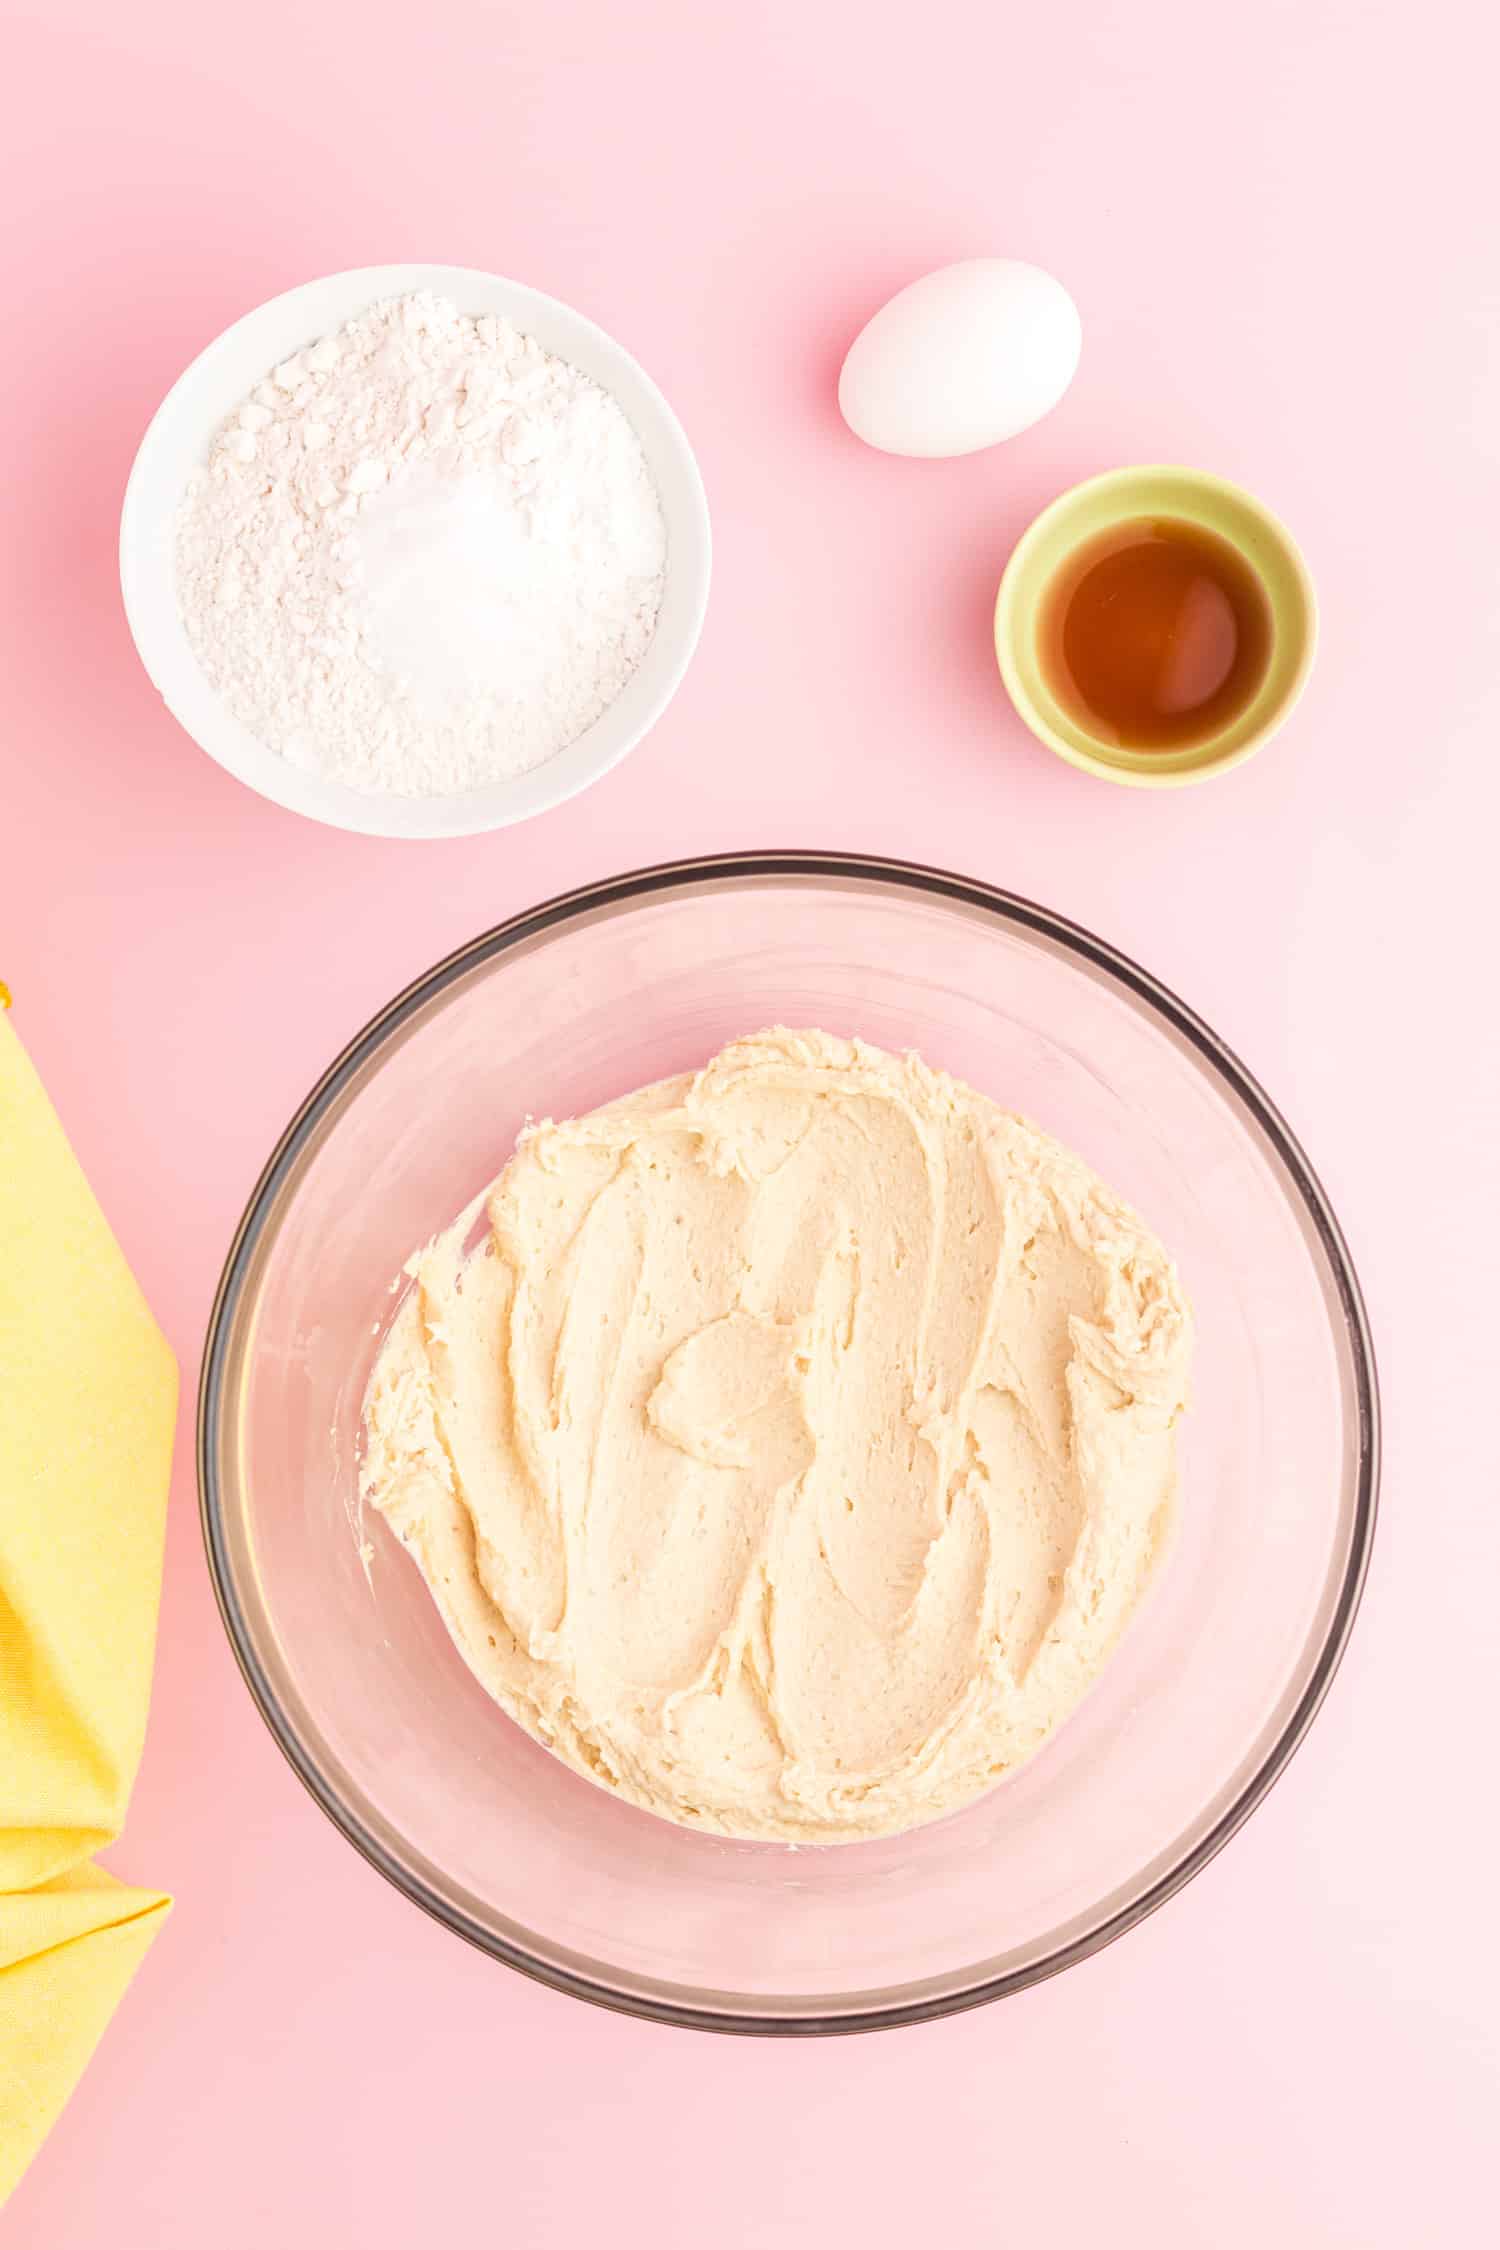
(795, 1446)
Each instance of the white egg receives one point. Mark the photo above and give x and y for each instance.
(962, 358)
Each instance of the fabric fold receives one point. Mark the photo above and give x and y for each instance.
(88, 1395)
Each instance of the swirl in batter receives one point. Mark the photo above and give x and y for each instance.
(795, 1447)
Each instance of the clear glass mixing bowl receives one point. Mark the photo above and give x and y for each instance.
(1216, 1680)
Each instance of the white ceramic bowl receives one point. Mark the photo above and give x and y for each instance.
(178, 440)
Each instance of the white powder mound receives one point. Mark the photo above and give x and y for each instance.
(423, 555)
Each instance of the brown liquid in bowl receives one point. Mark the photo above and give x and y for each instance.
(1155, 634)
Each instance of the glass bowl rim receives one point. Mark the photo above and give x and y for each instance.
(929, 883)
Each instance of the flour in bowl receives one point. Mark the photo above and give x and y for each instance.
(423, 555)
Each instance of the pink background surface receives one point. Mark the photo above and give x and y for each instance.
(1275, 225)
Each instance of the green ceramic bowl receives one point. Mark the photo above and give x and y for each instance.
(1191, 496)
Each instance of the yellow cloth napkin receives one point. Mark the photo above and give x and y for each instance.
(88, 1394)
